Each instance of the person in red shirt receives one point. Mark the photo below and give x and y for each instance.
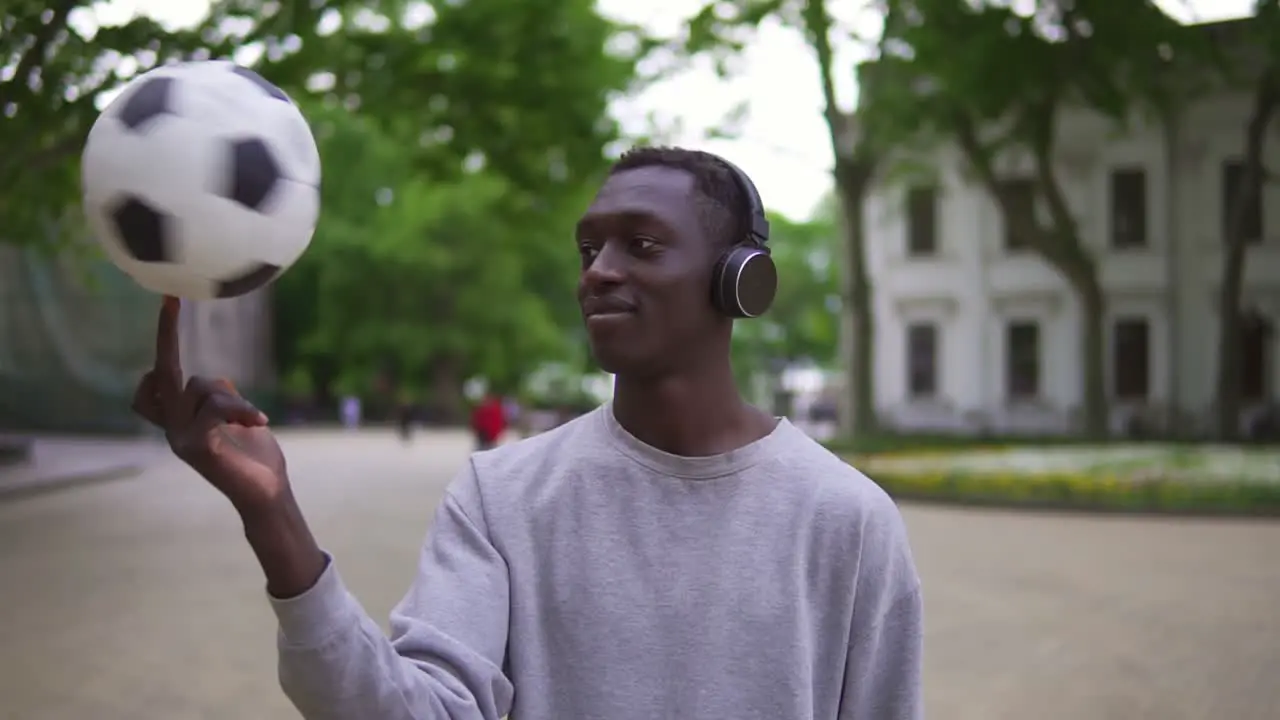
(488, 421)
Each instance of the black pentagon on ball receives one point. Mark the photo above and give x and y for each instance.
(144, 230)
(265, 85)
(252, 175)
(148, 101)
(248, 281)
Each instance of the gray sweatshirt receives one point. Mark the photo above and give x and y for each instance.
(583, 575)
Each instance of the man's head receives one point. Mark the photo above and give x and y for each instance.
(649, 243)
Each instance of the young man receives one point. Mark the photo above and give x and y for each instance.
(675, 554)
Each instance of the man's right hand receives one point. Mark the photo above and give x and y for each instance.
(210, 426)
(225, 438)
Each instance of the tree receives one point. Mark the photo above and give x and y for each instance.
(1263, 39)
(993, 83)
(433, 292)
(443, 251)
(428, 282)
(524, 86)
(447, 132)
(62, 60)
(521, 88)
(720, 29)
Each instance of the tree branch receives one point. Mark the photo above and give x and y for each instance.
(34, 55)
(1039, 120)
(818, 25)
(1020, 220)
(1266, 102)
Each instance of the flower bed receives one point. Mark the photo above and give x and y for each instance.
(1134, 479)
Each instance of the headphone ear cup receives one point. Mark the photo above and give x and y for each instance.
(744, 282)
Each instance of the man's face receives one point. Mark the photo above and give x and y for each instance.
(646, 272)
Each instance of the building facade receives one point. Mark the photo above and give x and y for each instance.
(975, 334)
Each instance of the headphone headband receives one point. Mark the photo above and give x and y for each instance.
(758, 230)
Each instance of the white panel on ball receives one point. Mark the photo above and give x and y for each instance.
(299, 151)
(202, 180)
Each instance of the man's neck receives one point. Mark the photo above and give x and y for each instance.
(692, 415)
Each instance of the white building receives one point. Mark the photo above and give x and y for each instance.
(973, 335)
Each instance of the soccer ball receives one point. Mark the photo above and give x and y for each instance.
(201, 180)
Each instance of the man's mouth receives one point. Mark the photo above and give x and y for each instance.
(603, 313)
(606, 307)
(607, 319)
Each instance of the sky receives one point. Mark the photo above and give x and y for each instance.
(782, 140)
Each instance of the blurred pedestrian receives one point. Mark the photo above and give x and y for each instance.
(488, 421)
(405, 415)
(511, 408)
(350, 411)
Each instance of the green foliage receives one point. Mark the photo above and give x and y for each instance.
(721, 28)
(413, 278)
(949, 61)
(62, 61)
(444, 245)
(523, 85)
(459, 141)
(436, 276)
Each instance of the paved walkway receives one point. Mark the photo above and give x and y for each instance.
(138, 600)
(62, 462)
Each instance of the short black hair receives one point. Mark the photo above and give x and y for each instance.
(725, 210)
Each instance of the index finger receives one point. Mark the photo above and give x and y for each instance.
(168, 360)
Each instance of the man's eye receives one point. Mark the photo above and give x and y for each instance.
(643, 244)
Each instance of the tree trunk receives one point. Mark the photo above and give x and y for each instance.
(1059, 245)
(858, 411)
(854, 167)
(1083, 278)
(446, 401)
(1227, 416)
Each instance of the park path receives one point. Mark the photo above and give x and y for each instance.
(137, 599)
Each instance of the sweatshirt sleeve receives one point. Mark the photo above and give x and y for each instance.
(883, 671)
(448, 635)
(885, 658)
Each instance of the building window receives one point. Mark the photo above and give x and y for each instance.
(1131, 358)
(1020, 193)
(1255, 357)
(922, 360)
(922, 221)
(1128, 208)
(1022, 360)
(1232, 187)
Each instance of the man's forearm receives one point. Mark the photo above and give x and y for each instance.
(285, 547)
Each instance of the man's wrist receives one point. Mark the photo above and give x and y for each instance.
(291, 559)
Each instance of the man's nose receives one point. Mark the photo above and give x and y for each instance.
(607, 268)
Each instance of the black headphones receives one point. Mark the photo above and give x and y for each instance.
(745, 280)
